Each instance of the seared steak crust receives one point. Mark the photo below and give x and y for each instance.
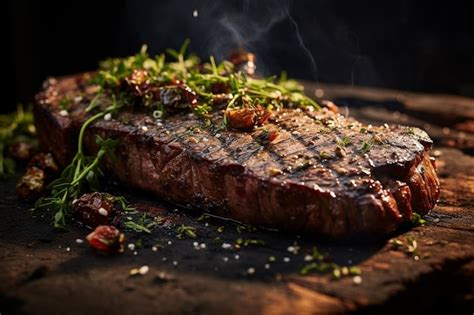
(313, 171)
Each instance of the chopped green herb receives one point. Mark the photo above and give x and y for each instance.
(186, 231)
(241, 91)
(65, 103)
(142, 225)
(343, 141)
(396, 244)
(366, 146)
(410, 246)
(203, 217)
(318, 267)
(417, 219)
(247, 242)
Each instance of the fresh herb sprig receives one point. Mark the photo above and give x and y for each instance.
(83, 172)
(13, 127)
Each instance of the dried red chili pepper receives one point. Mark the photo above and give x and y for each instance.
(107, 239)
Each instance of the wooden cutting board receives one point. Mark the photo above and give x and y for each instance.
(46, 272)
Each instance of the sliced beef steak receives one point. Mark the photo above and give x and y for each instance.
(312, 171)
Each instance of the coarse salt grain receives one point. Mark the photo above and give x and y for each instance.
(131, 246)
(357, 280)
(108, 116)
(226, 245)
(143, 270)
(267, 266)
(308, 258)
(144, 128)
(79, 241)
(103, 212)
(251, 271)
(202, 245)
(286, 259)
(63, 113)
(154, 248)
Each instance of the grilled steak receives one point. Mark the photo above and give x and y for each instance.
(312, 171)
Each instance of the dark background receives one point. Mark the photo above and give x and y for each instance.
(411, 45)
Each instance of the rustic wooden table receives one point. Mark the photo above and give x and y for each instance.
(46, 272)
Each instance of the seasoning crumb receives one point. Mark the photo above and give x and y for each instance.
(267, 266)
(154, 248)
(251, 271)
(436, 220)
(236, 256)
(226, 245)
(416, 257)
(131, 246)
(143, 270)
(64, 113)
(203, 245)
(308, 258)
(79, 241)
(175, 263)
(108, 116)
(68, 249)
(357, 280)
(225, 259)
(286, 259)
(144, 128)
(169, 242)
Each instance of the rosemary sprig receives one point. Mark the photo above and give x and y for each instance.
(84, 171)
(13, 127)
